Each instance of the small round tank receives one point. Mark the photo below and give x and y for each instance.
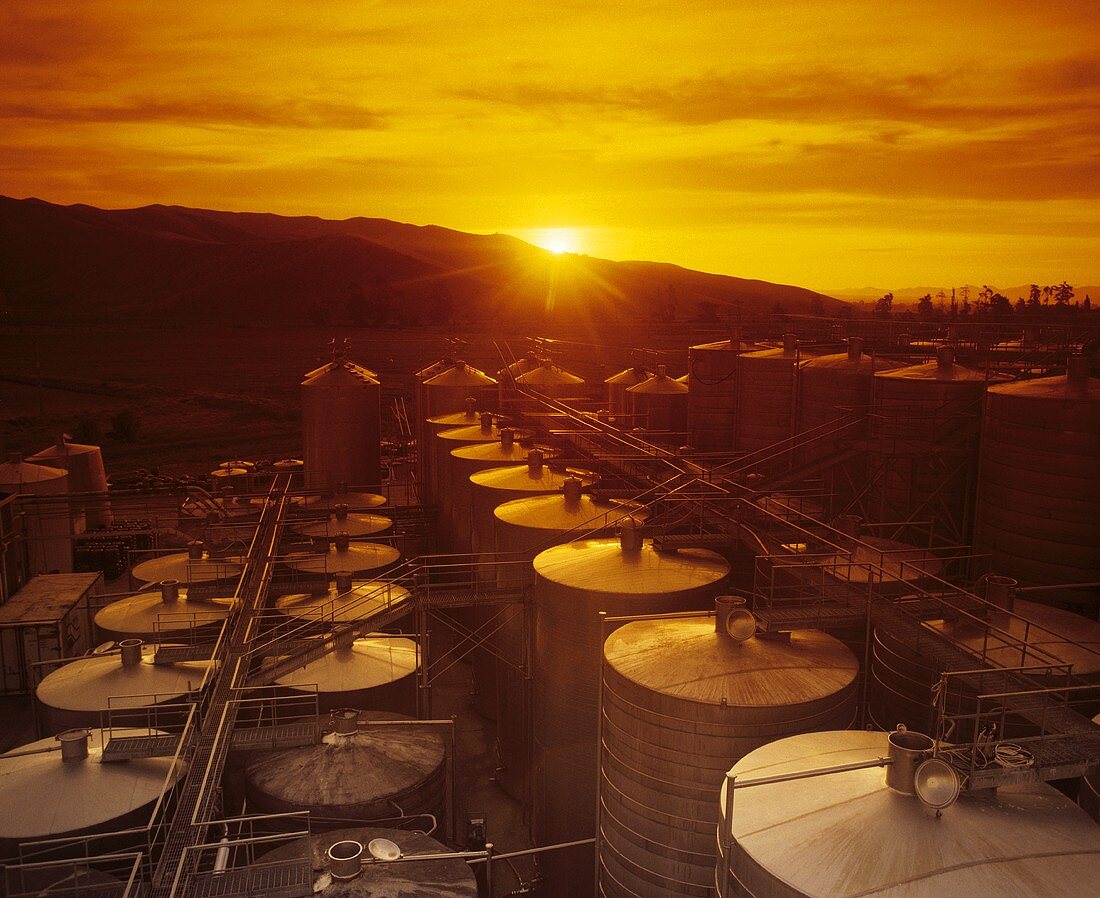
(84, 465)
(161, 614)
(379, 770)
(573, 583)
(660, 404)
(46, 514)
(849, 834)
(193, 566)
(341, 426)
(78, 693)
(551, 380)
(48, 796)
(1038, 507)
(618, 400)
(767, 381)
(712, 392)
(342, 555)
(340, 520)
(416, 879)
(354, 500)
(681, 700)
(376, 672)
(454, 399)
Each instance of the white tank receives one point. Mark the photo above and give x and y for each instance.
(84, 465)
(46, 517)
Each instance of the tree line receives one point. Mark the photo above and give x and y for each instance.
(1052, 300)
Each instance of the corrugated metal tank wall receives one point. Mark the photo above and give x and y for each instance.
(680, 703)
(618, 400)
(660, 405)
(573, 583)
(764, 407)
(712, 392)
(341, 426)
(1038, 508)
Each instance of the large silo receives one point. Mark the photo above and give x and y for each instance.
(77, 694)
(87, 476)
(849, 834)
(1038, 507)
(447, 878)
(49, 794)
(660, 405)
(712, 393)
(924, 436)
(767, 389)
(682, 699)
(166, 613)
(47, 523)
(341, 426)
(574, 582)
(364, 770)
(618, 400)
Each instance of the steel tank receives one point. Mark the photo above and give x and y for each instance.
(834, 397)
(618, 400)
(552, 381)
(522, 529)
(924, 428)
(345, 599)
(442, 482)
(660, 405)
(682, 699)
(426, 457)
(45, 513)
(372, 766)
(712, 392)
(854, 835)
(79, 693)
(767, 389)
(341, 520)
(196, 565)
(168, 612)
(573, 583)
(902, 679)
(87, 476)
(1038, 505)
(51, 793)
(377, 672)
(355, 500)
(357, 558)
(452, 878)
(342, 426)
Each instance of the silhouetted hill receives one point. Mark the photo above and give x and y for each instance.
(172, 262)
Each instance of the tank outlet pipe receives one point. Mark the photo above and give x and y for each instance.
(345, 641)
(343, 582)
(1001, 591)
(571, 489)
(487, 421)
(130, 650)
(74, 745)
(855, 349)
(849, 524)
(341, 511)
(507, 437)
(342, 541)
(169, 591)
(534, 461)
(630, 536)
(907, 749)
(221, 859)
(345, 721)
(345, 859)
(945, 357)
(194, 549)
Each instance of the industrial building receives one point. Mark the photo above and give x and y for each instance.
(785, 614)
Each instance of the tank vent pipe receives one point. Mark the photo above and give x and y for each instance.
(945, 357)
(907, 750)
(194, 549)
(345, 641)
(345, 859)
(487, 421)
(1001, 591)
(732, 620)
(1077, 368)
(341, 511)
(534, 462)
(343, 582)
(571, 489)
(169, 591)
(471, 408)
(507, 437)
(849, 524)
(345, 721)
(74, 745)
(790, 342)
(855, 348)
(130, 650)
(630, 536)
(662, 371)
(342, 541)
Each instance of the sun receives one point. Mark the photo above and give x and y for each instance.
(557, 240)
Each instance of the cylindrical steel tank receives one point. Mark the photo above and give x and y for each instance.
(452, 878)
(573, 583)
(441, 485)
(712, 392)
(78, 693)
(834, 390)
(552, 381)
(341, 426)
(360, 600)
(680, 702)
(377, 672)
(1038, 507)
(46, 518)
(379, 770)
(356, 558)
(340, 520)
(87, 475)
(354, 500)
(447, 388)
(902, 679)
(660, 404)
(924, 425)
(848, 834)
(196, 566)
(46, 797)
(161, 614)
(767, 391)
(522, 529)
(618, 401)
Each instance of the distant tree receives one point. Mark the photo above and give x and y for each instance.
(87, 430)
(964, 308)
(1000, 306)
(883, 305)
(981, 306)
(925, 310)
(1033, 293)
(1021, 306)
(125, 426)
(1048, 291)
(1062, 293)
(1087, 304)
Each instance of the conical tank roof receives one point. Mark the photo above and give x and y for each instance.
(602, 565)
(18, 473)
(367, 598)
(499, 451)
(549, 375)
(62, 449)
(660, 385)
(940, 372)
(356, 558)
(340, 373)
(524, 478)
(475, 433)
(354, 524)
(728, 346)
(147, 613)
(180, 566)
(844, 361)
(458, 419)
(1059, 387)
(628, 377)
(460, 375)
(884, 560)
(367, 663)
(558, 513)
(356, 501)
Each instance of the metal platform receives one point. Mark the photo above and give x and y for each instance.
(173, 654)
(283, 735)
(129, 748)
(289, 879)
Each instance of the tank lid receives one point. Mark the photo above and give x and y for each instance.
(571, 489)
(855, 348)
(344, 721)
(600, 565)
(130, 652)
(534, 462)
(169, 591)
(371, 661)
(345, 859)
(460, 375)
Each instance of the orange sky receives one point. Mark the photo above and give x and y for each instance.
(827, 144)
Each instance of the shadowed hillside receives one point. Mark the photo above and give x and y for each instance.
(177, 263)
